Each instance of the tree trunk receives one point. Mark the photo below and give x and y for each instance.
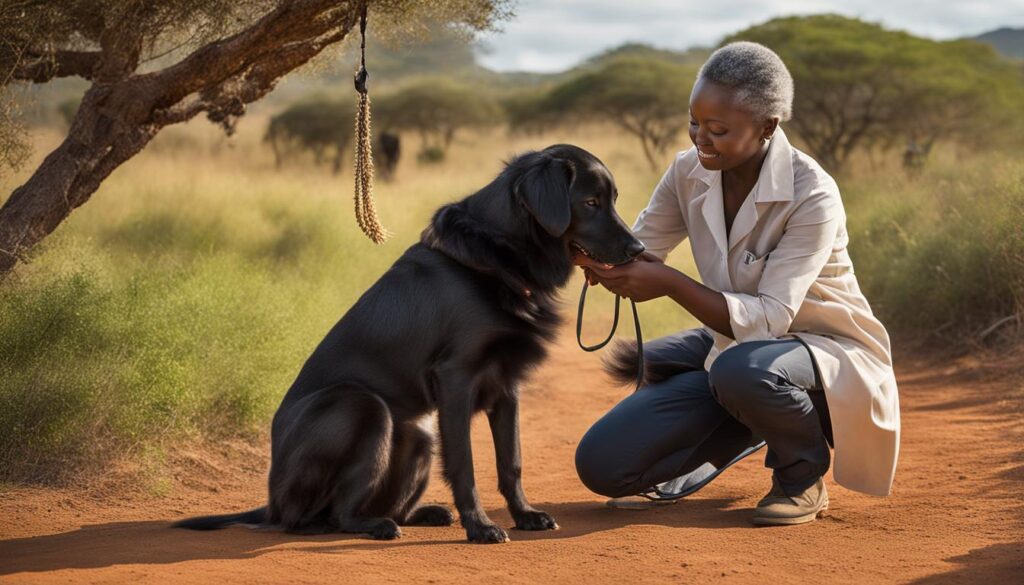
(94, 147)
(123, 111)
(649, 152)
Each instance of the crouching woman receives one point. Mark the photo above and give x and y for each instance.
(789, 351)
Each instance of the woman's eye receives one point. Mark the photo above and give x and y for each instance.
(717, 132)
(591, 202)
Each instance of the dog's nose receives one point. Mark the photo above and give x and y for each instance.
(634, 248)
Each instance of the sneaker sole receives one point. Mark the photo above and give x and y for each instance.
(632, 503)
(660, 496)
(780, 521)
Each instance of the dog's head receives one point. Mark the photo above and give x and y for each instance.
(571, 195)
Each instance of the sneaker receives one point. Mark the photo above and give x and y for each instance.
(778, 509)
(674, 489)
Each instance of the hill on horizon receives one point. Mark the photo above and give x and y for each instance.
(1008, 41)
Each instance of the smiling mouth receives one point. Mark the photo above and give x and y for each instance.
(706, 155)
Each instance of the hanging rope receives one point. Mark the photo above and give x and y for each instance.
(366, 215)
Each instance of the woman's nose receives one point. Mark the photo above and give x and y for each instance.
(698, 137)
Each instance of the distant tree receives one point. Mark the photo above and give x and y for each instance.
(436, 109)
(693, 57)
(962, 91)
(320, 126)
(221, 55)
(646, 97)
(859, 85)
(526, 111)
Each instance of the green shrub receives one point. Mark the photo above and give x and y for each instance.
(943, 252)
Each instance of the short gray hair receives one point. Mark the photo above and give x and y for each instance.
(762, 84)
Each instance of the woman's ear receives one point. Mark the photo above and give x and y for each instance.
(769, 128)
(543, 189)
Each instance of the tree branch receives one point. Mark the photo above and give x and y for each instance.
(42, 67)
(226, 100)
(296, 22)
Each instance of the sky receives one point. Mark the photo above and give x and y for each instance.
(554, 35)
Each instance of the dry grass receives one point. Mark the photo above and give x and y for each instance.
(183, 298)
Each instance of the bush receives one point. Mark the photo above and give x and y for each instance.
(942, 253)
(430, 155)
(180, 310)
(92, 366)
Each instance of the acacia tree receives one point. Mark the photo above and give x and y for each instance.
(859, 85)
(318, 125)
(436, 109)
(232, 52)
(647, 97)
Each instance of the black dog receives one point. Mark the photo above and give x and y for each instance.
(452, 327)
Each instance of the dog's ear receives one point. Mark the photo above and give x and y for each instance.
(543, 189)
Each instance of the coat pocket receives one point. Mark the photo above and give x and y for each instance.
(748, 273)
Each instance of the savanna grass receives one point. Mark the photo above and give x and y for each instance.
(940, 253)
(183, 298)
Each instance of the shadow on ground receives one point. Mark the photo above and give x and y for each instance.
(155, 542)
(997, 563)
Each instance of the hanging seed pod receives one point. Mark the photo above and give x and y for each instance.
(366, 214)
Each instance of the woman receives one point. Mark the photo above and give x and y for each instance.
(789, 352)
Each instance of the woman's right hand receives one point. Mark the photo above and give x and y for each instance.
(592, 278)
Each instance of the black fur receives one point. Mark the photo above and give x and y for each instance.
(621, 363)
(452, 327)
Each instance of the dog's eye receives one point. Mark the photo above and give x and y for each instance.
(592, 202)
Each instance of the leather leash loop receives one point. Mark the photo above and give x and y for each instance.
(615, 324)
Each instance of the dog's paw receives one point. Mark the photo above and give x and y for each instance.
(386, 530)
(535, 520)
(486, 534)
(431, 516)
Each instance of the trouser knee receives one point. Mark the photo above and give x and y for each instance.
(593, 469)
(735, 383)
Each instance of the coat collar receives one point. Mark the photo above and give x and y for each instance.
(774, 183)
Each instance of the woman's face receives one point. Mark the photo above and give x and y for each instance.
(725, 135)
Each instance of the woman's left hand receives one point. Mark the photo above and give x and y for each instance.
(640, 280)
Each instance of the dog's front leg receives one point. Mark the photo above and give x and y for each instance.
(504, 419)
(457, 456)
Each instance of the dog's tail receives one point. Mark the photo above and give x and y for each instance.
(256, 516)
(620, 362)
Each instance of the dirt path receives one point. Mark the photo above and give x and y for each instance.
(955, 515)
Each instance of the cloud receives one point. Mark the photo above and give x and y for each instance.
(555, 35)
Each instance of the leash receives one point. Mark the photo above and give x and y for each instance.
(615, 324)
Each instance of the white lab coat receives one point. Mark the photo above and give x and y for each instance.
(785, 271)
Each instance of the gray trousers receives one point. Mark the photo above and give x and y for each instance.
(755, 390)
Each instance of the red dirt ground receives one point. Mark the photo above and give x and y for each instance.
(956, 514)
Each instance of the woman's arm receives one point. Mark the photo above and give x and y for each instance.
(791, 268)
(661, 226)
